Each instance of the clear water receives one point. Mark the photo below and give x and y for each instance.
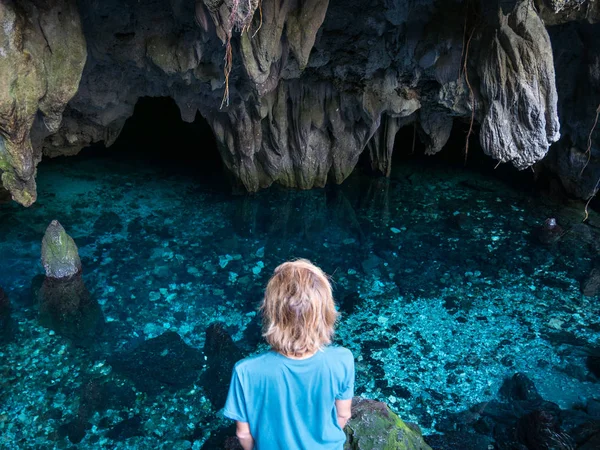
(443, 288)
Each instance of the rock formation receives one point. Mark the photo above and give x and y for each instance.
(374, 425)
(42, 54)
(310, 84)
(64, 302)
(60, 257)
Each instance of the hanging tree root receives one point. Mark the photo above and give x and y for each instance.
(589, 156)
(240, 18)
(587, 204)
(589, 142)
(471, 94)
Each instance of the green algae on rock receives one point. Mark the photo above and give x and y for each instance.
(60, 257)
(42, 54)
(374, 426)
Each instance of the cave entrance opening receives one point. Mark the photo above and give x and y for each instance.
(156, 135)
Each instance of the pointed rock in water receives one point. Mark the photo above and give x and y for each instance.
(373, 425)
(5, 319)
(60, 257)
(519, 388)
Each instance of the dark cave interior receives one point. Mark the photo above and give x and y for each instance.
(155, 134)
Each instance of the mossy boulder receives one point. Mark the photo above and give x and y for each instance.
(374, 426)
(60, 257)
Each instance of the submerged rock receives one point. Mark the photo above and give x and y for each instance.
(374, 426)
(162, 363)
(221, 355)
(519, 388)
(550, 232)
(540, 430)
(521, 420)
(67, 307)
(97, 395)
(591, 285)
(60, 257)
(5, 319)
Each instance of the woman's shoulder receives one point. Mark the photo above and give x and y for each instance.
(341, 353)
(254, 361)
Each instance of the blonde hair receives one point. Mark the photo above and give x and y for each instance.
(298, 309)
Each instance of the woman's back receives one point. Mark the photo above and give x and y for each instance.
(290, 403)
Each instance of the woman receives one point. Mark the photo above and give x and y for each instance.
(299, 394)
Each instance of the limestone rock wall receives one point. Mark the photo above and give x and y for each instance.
(42, 54)
(313, 84)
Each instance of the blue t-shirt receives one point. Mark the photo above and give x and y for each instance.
(289, 404)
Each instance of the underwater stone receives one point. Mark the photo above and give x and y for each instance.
(540, 429)
(67, 307)
(591, 285)
(162, 363)
(550, 232)
(374, 426)
(519, 388)
(5, 319)
(60, 257)
(221, 355)
(126, 429)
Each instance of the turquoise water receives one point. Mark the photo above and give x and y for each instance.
(444, 288)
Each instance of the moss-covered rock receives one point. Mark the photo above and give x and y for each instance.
(374, 426)
(60, 257)
(42, 54)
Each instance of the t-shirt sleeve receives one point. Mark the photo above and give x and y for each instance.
(347, 384)
(235, 406)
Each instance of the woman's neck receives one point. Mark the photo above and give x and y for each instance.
(304, 356)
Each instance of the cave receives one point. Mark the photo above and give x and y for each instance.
(155, 134)
(177, 176)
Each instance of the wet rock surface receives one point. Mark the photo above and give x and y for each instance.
(373, 425)
(591, 284)
(60, 257)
